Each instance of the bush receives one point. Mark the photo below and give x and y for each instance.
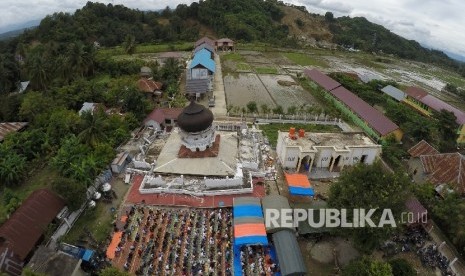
(400, 267)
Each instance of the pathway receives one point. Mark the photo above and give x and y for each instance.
(218, 90)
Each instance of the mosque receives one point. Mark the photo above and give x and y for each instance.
(201, 157)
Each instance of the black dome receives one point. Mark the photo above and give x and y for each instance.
(195, 118)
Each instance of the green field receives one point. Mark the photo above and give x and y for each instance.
(243, 66)
(266, 70)
(304, 60)
(233, 57)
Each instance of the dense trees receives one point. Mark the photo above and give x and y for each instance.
(367, 267)
(447, 212)
(369, 187)
(401, 267)
(12, 166)
(9, 73)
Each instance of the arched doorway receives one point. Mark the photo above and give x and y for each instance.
(305, 163)
(334, 164)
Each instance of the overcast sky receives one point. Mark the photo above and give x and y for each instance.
(435, 23)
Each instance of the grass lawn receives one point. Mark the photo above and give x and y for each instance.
(40, 178)
(271, 130)
(98, 221)
(243, 66)
(233, 56)
(304, 60)
(266, 70)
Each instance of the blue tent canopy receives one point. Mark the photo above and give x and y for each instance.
(248, 211)
(301, 191)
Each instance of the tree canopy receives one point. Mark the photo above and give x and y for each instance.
(369, 187)
(367, 267)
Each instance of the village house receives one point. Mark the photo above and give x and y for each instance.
(202, 66)
(224, 44)
(20, 234)
(162, 118)
(445, 170)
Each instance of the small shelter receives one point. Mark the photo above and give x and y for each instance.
(289, 255)
(224, 44)
(299, 185)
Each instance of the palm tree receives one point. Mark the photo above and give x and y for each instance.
(129, 44)
(94, 125)
(37, 69)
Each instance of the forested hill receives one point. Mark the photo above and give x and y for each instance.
(268, 21)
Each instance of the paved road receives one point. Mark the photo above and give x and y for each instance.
(218, 90)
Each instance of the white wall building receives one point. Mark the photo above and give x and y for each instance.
(303, 151)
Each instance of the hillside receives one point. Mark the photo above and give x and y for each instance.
(272, 22)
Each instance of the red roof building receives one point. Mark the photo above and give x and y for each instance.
(24, 229)
(372, 121)
(434, 103)
(422, 148)
(445, 168)
(149, 86)
(322, 79)
(162, 117)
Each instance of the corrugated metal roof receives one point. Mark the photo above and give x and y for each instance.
(278, 203)
(204, 46)
(206, 40)
(6, 128)
(397, 94)
(203, 58)
(27, 224)
(290, 257)
(202, 54)
(148, 85)
(446, 168)
(435, 103)
(374, 118)
(422, 148)
(197, 86)
(321, 79)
